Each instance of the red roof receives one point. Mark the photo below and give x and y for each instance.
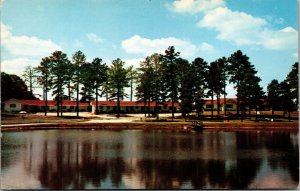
(228, 101)
(122, 103)
(100, 103)
(176, 104)
(51, 103)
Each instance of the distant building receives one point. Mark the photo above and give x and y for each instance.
(15, 105)
(132, 107)
(230, 104)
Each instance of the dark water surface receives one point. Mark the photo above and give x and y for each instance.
(87, 159)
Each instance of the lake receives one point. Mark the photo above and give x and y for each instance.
(125, 159)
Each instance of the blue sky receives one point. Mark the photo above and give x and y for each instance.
(265, 30)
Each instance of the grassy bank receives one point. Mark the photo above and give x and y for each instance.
(15, 122)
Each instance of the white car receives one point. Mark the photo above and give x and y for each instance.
(22, 112)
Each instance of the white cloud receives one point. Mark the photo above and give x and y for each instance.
(282, 39)
(135, 62)
(232, 26)
(206, 47)
(194, 6)
(244, 29)
(145, 46)
(29, 46)
(94, 38)
(17, 66)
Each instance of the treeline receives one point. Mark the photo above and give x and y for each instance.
(170, 77)
(12, 86)
(160, 78)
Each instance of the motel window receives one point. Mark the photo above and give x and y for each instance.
(108, 107)
(209, 106)
(71, 107)
(229, 106)
(12, 105)
(64, 107)
(136, 107)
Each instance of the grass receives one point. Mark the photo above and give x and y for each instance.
(9, 118)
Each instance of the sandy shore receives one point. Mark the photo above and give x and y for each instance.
(109, 118)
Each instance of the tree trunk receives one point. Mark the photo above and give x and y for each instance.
(172, 105)
(218, 104)
(106, 90)
(77, 100)
(61, 108)
(57, 107)
(149, 111)
(97, 110)
(118, 107)
(238, 101)
(30, 81)
(60, 99)
(256, 114)
(156, 111)
(58, 102)
(69, 91)
(212, 105)
(249, 111)
(131, 90)
(46, 97)
(224, 98)
(145, 112)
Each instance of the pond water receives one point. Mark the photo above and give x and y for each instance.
(106, 159)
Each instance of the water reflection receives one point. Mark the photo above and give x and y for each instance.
(136, 159)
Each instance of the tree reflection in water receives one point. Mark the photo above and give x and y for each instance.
(160, 160)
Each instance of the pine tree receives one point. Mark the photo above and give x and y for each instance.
(78, 59)
(199, 69)
(99, 77)
(118, 79)
(58, 71)
(43, 71)
(293, 80)
(273, 96)
(171, 75)
(30, 78)
(186, 86)
(239, 65)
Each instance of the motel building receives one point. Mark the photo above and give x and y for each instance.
(32, 106)
(133, 107)
(230, 104)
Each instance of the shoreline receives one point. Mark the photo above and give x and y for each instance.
(170, 126)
